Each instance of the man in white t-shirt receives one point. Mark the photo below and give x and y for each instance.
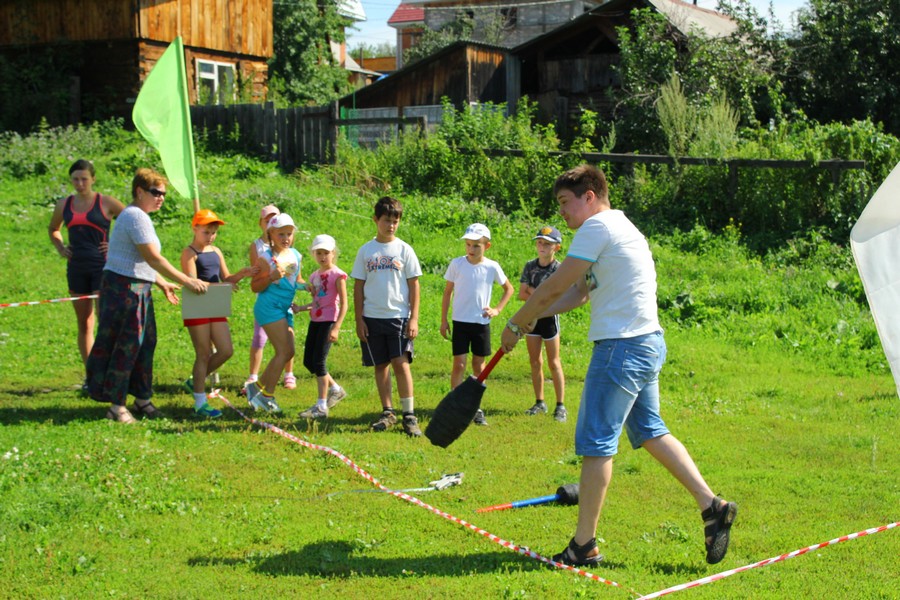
(470, 281)
(609, 264)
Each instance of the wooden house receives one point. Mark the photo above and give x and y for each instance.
(464, 72)
(570, 66)
(110, 46)
(575, 64)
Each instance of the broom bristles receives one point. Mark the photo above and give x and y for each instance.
(455, 412)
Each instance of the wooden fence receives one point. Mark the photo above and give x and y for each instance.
(308, 135)
(294, 136)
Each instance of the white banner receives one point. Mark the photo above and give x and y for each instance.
(875, 241)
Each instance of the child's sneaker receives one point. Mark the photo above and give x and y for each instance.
(268, 403)
(290, 382)
(479, 418)
(208, 411)
(314, 412)
(387, 420)
(335, 396)
(251, 389)
(188, 385)
(560, 413)
(539, 407)
(411, 426)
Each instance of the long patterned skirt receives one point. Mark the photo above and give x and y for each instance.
(121, 361)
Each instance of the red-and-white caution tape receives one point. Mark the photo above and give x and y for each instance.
(411, 499)
(768, 561)
(531, 554)
(53, 301)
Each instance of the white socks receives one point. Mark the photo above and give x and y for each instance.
(199, 399)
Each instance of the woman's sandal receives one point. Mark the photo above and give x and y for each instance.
(120, 417)
(717, 520)
(574, 555)
(147, 409)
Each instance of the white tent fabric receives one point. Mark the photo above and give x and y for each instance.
(875, 241)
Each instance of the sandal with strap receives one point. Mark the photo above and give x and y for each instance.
(148, 410)
(120, 417)
(717, 520)
(574, 555)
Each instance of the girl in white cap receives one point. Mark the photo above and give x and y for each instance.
(258, 247)
(276, 283)
(328, 285)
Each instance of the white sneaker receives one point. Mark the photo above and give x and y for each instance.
(335, 396)
(314, 412)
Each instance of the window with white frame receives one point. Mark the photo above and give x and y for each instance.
(215, 82)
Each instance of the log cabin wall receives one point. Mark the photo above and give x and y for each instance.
(109, 46)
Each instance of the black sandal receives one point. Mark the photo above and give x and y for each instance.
(717, 520)
(580, 556)
(148, 410)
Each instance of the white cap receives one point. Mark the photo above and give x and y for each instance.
(323, 242)
(476, 231)
(282, 220)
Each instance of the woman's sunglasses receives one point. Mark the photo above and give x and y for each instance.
(157, 193)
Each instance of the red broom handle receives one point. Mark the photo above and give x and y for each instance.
(490, 366)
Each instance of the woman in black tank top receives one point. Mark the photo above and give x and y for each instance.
(87, 216)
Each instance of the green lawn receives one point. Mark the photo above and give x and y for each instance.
(188, 508)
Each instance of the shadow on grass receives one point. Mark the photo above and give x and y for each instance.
(344, 560)
(681, 569)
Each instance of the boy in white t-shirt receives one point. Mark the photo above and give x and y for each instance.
(386, 303)
(470, 281)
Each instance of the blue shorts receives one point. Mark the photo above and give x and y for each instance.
(270, 308)
(621, 389)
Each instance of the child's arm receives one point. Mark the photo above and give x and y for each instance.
(233, 279)
(265, 276)
(507, 294)
(359, 297)
(189, 262)
(445, 309)
(525, 291)
(413, 326)
(342, 310)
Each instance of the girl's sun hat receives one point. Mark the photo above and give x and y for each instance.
(281, 220)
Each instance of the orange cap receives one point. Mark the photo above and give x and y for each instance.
(206, 217)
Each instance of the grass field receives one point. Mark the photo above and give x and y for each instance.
(187, 508)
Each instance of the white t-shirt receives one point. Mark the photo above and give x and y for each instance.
(386, 268)
(472, 286)
(133, 228)
(622, 280)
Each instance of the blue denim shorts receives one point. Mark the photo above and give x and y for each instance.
(621, 389)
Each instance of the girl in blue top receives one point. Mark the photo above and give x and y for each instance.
(276, 283)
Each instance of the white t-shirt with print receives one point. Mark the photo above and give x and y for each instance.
(386, 269)
(472, 287)
(622, 279)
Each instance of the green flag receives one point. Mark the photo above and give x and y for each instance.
(162, 115)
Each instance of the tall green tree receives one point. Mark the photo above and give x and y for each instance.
(303, 69)
(845, 64)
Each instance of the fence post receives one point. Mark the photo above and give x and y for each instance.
(331, 145)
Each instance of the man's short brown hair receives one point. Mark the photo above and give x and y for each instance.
(581, 179)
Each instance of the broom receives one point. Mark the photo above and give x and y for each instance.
(454, 413)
